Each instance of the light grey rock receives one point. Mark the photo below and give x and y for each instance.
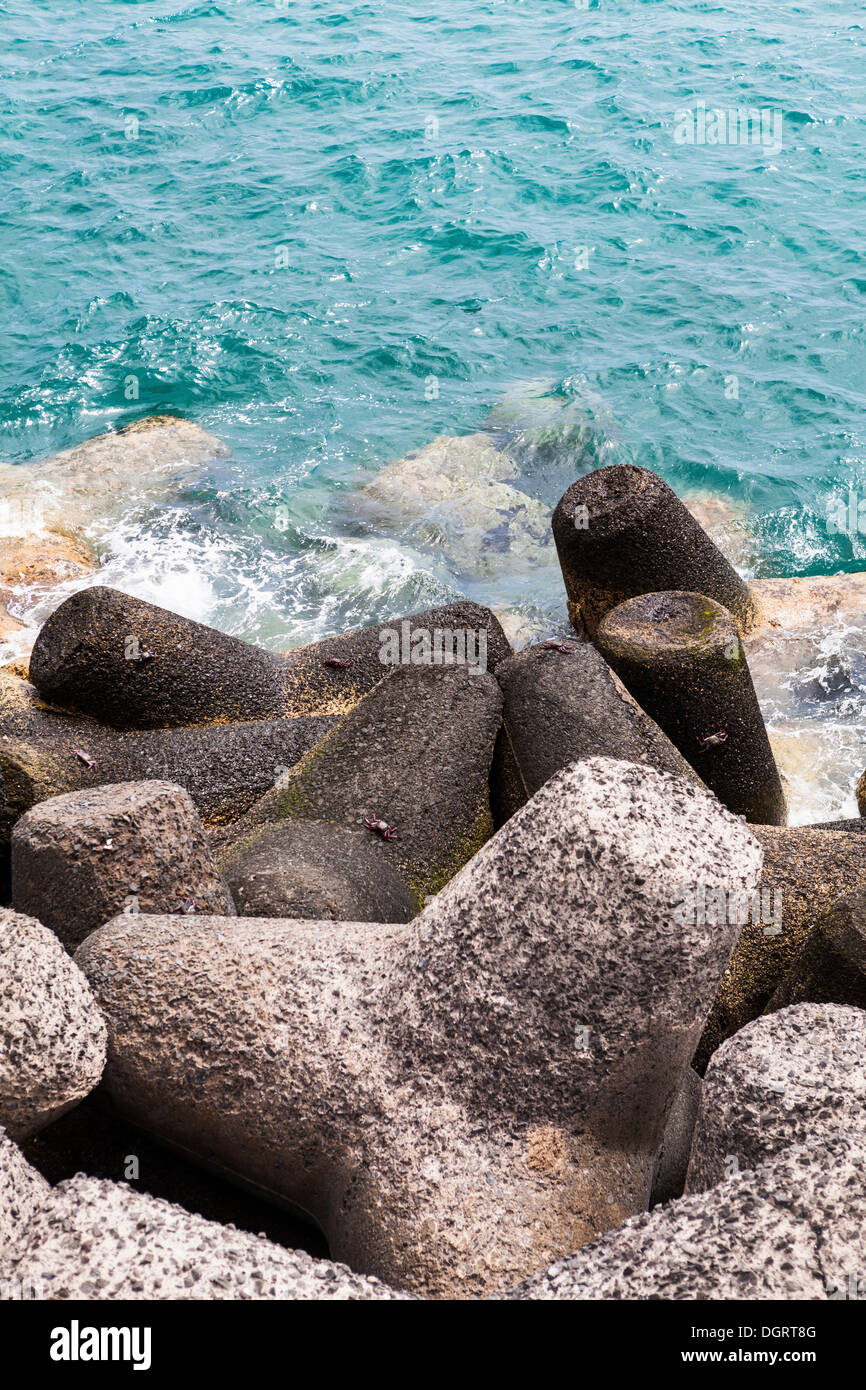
(22, 1192)
(787, 1078)
(794, 1228)
(52, 1035)
(457, 1100)
(79, 859)
(93, 1239)
(672, 1160)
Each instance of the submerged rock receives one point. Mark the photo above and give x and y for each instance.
(455, 497)
(486, 1087)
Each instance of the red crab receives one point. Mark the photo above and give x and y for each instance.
(89, 762)
(340, 663)
(553, 646)
(388, 832)
(714, 739)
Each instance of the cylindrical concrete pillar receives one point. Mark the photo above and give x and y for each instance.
(681, 657)
(622, 531)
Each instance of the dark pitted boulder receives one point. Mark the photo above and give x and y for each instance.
(415, 755)
(560, 707)
(791, 1229)
(805, 871)
(621, 531)
(681, 657)
(457, 1100)
(52, 1035)
(79, 859)
(466, 630)
(788, 1078)
(318, 870)
(831, 968)
(135, 666)
(46, 752)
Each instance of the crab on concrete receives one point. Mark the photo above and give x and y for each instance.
(388, 832)
(714, 739)
(85, 758)
(340, 663)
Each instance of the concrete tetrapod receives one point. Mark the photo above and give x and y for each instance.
(459, 1100)
(805, 871)
(791, 1229)
(414, 755)
(52, 1035)
(788, 1078)
(681, 657)
(561, 706)
(79, 859)
(46, 752)
(621, 531)
(135, 666)
(89, 1238)
(831, 968)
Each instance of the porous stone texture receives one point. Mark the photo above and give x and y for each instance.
(314, 687)
(805, 871)
(318, 870)
(458, 1100)
(560, 707)
(98, 1240)
(79, 859)
(133, 665)
(681, 656)
(22, 1192)
(52, 1035)
(791, 1229)
(414, 754)
(672, 1160)
(861, 794)
(831, 968)
(621, 531)
(788, 1078)
(47, 752)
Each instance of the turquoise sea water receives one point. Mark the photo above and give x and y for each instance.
(329, 232)
(477, 193)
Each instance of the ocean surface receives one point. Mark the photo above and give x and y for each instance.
(331, 232)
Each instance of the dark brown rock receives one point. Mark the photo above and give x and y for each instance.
(560, 707)
(805, 871)
(831, 968)
(135, 666)
(681, 657)
(79, 859)
(414, 754)
(621, 531)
